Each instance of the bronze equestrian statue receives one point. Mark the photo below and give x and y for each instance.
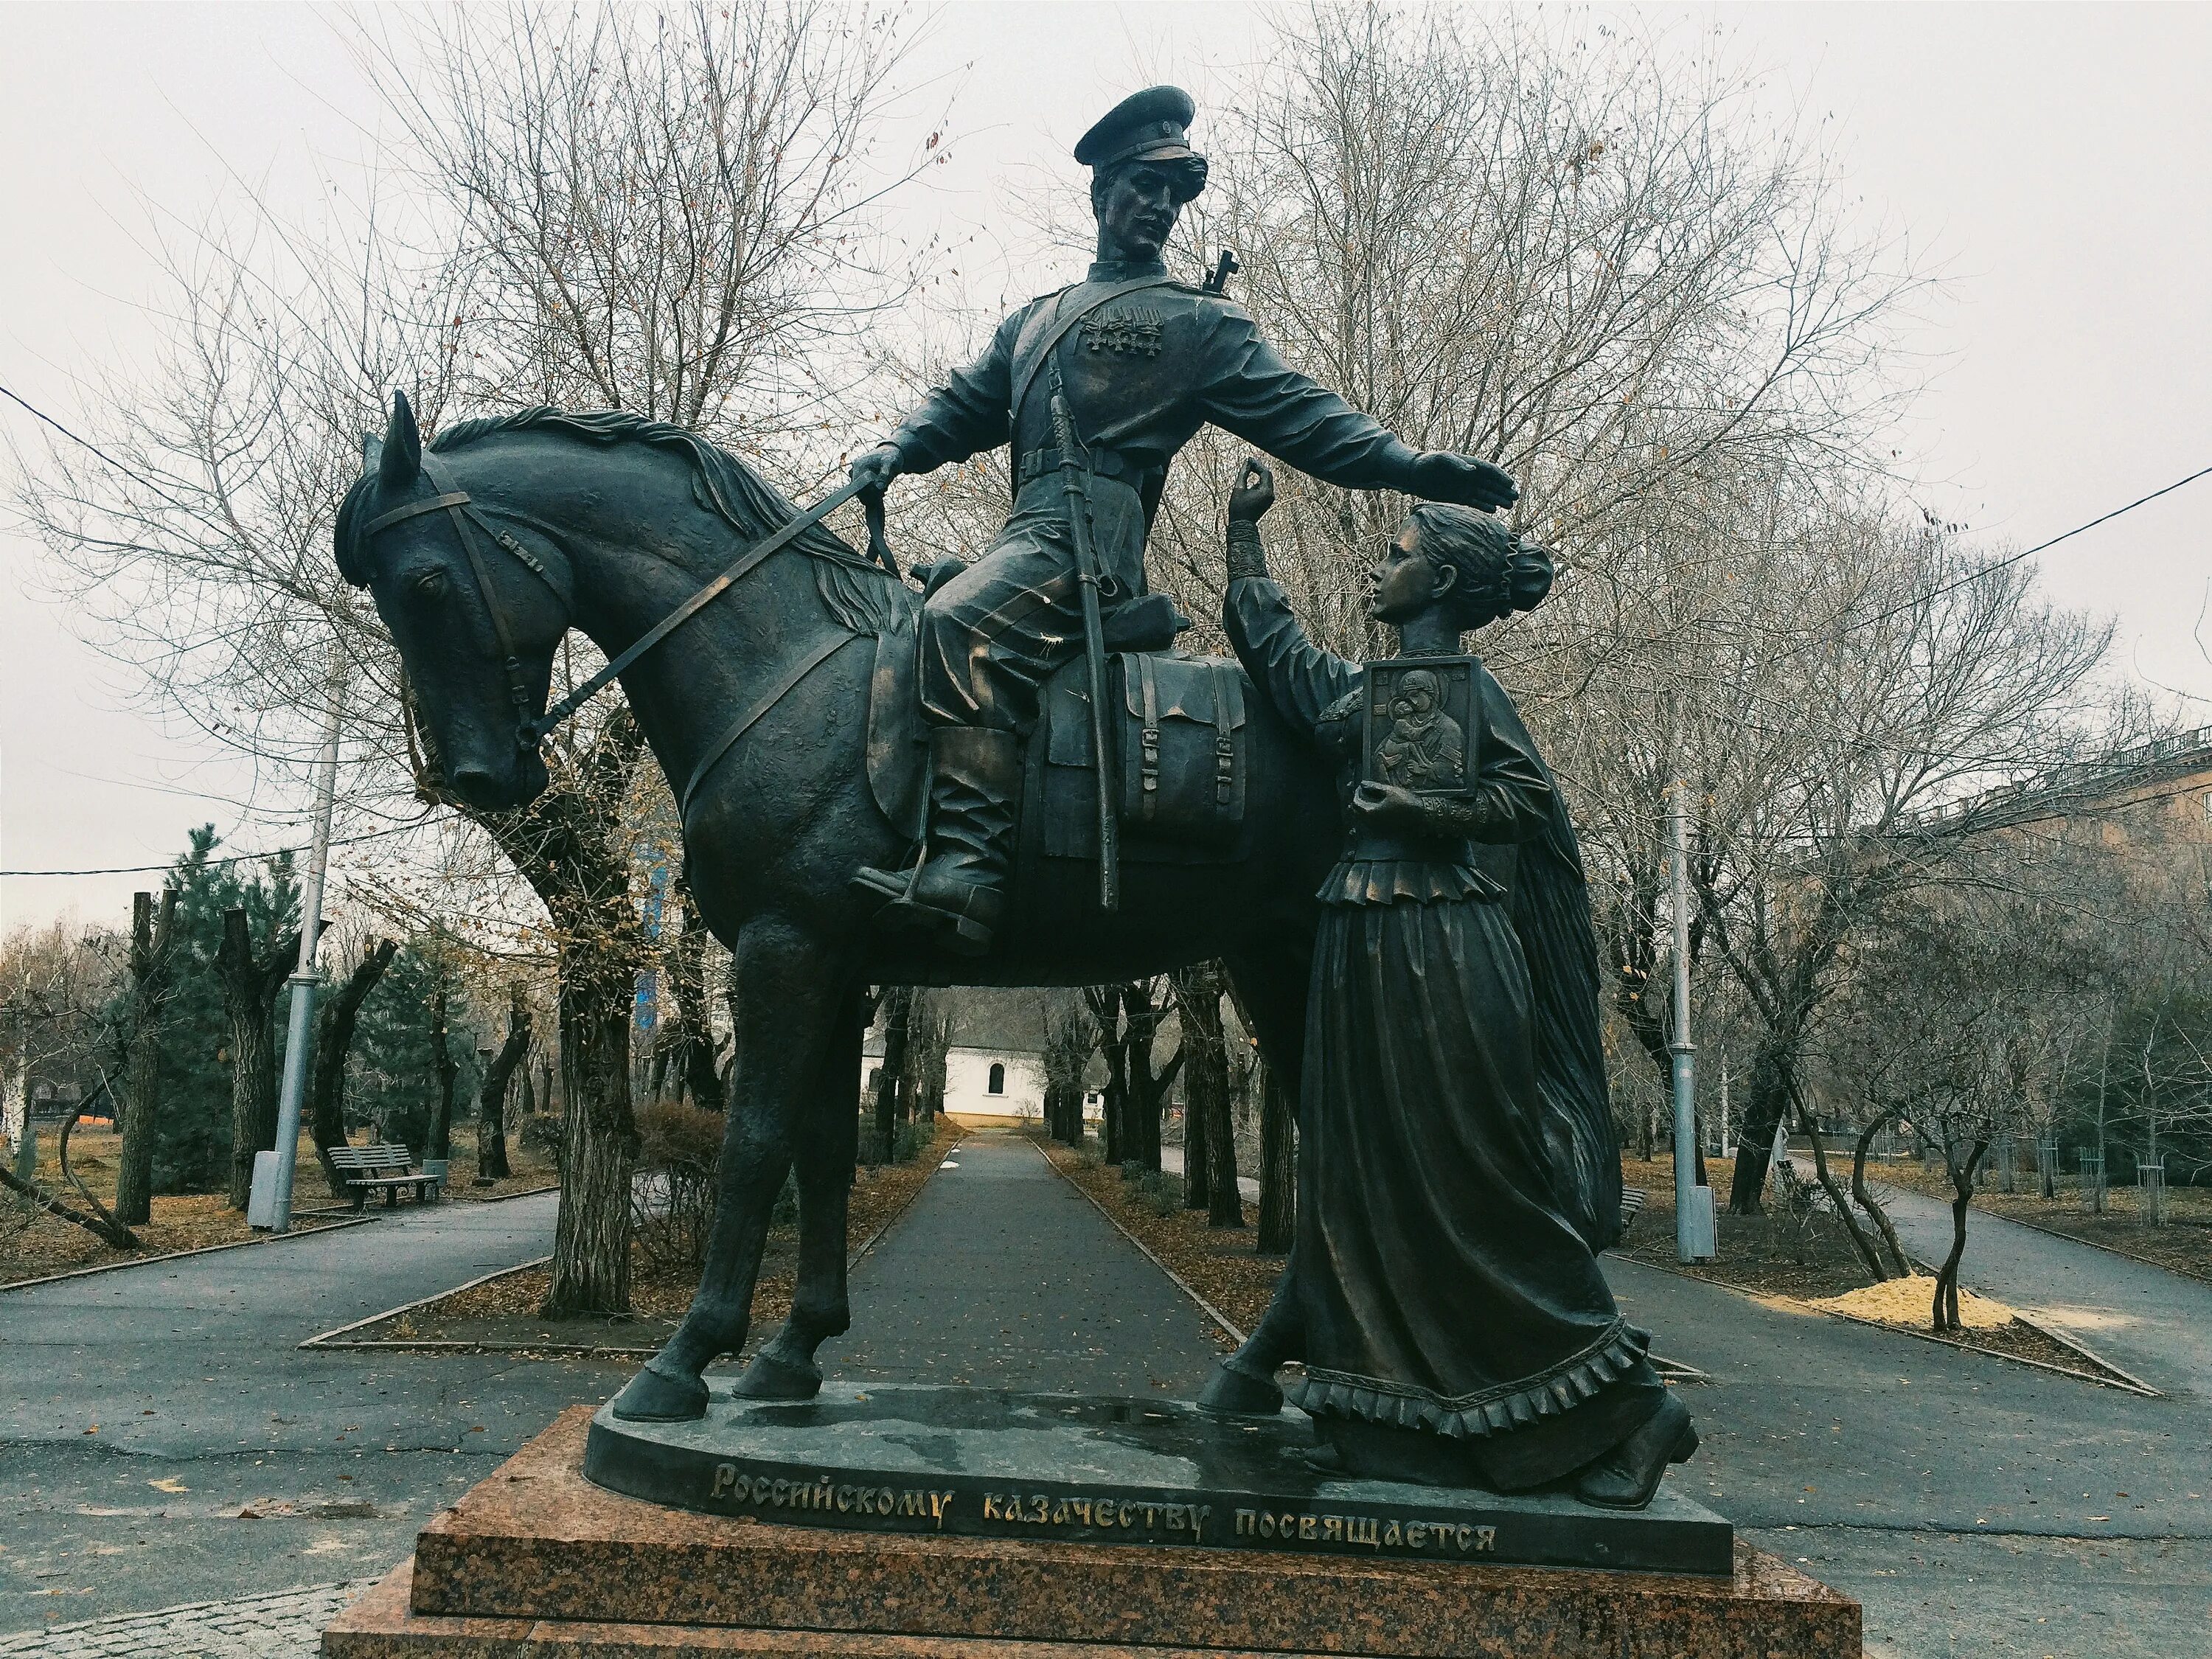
(1142, 361)
(814, 694)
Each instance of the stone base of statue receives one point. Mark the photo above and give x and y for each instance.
(925, 1523)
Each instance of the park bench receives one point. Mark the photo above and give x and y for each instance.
(382, 1168)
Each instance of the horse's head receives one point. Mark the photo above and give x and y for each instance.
(475, 611)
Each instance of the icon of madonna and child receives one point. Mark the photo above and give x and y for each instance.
(1458, 1172)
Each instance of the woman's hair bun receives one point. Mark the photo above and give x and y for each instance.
(1498, 572)
(1528, 571)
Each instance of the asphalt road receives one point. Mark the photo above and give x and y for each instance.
(2153, 1324)
(141, 1411)
(1976, 1507)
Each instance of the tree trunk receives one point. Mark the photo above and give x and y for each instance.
(1860, 1242)
(1207, 1115)
(251, 984)
(491, 1098)
(1147, 1089)
(687, 989)
(1769, 1090)
(1946, 1311)
(1105, 1001)
(153, 946)
(891, 1078)
(590, 1236)
(1278, 1183)
(441, 1141)
(334, 1027)
(1866, 1202)
(112, 1234)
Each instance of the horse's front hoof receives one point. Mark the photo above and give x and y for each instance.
(1231, 1393)
(770, 1378)
(654, 1396)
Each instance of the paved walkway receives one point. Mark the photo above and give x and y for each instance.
(2154, 1324)
(1002, 1274)
(285, 1625)
(144, 1413)
(1974, 1506)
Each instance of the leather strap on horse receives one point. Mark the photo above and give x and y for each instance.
(745, 722)
(456, 505)
(791, 530)
(1026, 367)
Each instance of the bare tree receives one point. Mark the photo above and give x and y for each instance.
(499, 1076)
(665, 214)
(250, 982)
(335, 1022)
(153, 945)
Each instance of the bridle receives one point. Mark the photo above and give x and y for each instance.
(468, 517)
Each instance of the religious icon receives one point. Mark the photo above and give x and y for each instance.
(1419, 712)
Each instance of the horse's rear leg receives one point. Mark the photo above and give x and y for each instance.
(789, 988)
(828, 1139)
(1272, 989)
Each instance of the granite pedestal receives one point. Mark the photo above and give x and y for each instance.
(942, 1522)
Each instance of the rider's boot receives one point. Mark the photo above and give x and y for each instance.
(975, 778)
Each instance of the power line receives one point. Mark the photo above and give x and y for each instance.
(234, 858)
(2030, 552)
(83, 443)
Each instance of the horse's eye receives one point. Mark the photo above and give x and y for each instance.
(430, 584)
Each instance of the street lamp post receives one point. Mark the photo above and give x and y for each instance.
(1693, 1203)
(302, 981)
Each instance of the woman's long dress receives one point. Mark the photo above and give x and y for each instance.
(1443, 1286)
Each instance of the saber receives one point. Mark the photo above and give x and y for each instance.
(1076, 478)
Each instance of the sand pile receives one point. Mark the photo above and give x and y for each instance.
(1906, 1302)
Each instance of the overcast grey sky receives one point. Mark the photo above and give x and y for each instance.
(2056, 159)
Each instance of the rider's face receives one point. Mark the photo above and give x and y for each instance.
(1136, 212)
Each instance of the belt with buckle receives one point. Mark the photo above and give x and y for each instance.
(1127, 469)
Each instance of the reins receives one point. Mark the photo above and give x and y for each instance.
(468, 517)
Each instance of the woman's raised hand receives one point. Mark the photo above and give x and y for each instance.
(1254, 493)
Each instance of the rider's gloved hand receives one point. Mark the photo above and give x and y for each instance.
(876, 469)
(1441, 475)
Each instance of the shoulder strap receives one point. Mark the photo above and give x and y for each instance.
(1031, 360)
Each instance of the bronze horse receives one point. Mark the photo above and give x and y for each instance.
(517, 528)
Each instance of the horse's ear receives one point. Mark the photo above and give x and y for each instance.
(402, 459)
(372, 451)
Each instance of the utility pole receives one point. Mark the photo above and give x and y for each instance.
(1693, 1203)
(302, 981)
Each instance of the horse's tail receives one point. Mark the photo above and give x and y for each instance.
(1551, 914)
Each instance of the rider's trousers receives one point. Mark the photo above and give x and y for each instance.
(992, 635)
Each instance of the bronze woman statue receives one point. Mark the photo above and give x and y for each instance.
(1455, 1324)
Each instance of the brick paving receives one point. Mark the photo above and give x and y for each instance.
(286, 1625)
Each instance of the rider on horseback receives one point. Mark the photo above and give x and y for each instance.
(1145, 360)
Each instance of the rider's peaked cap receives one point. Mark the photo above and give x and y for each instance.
(1151, 125)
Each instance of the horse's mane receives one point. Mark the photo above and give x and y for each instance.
(862, 594)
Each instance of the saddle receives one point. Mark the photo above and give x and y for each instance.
(1179, 755)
